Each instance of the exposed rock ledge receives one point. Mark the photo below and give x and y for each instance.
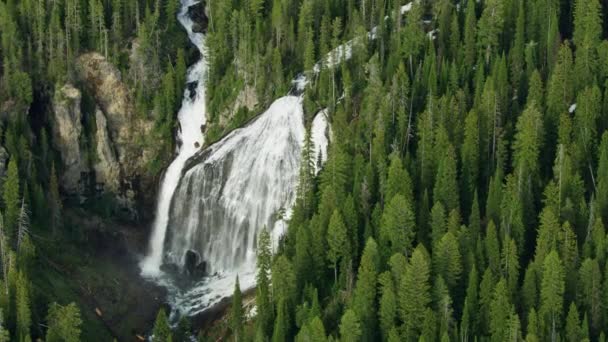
(119, 159)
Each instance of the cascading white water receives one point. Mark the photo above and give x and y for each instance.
(236, 188)
(191, 117)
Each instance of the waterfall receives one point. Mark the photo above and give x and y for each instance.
(214, 202)
(236, 188)
(191, 117)
(232, 190)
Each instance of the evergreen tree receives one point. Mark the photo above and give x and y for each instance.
(23, 310)
(470, 159)
(589, 292)
(573, 329)
(446, 186)
(387, 310)
(398, 227)
(64, 323)
(236, 317)
(470, 34)
(414, 293)
(551, 295)
(162, 330)
(364, 296)
(447, 260)
(501, 311)
(350, 329)
(12, 202)
(469, 325)
(586, 37)
(337, 240)
(489, 27)
(263, 299)
(280, 324)
(601, 194)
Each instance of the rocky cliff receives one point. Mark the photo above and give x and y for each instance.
(117, 159)
(67, 135)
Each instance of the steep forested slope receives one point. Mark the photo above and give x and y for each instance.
(464, 196)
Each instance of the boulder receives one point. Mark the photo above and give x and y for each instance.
(198, 14)
(67, 133)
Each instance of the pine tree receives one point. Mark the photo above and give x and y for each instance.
(492, 248)
(501, 311)
(162, 330)
(414, 293)
(447, 260)
(489, 27)
(469, 325)
(263, 299)
(398, 182)
(589, 291)
(64, 323)
(446, 186)
(517, 52)
(350, 329)
(337, 240)
(413, 35)
(236, 317)
(364, 302)
(573, 329)
(470, 34)
(283, 282)
(438, 223)
(12, 201)
(551, 295)
(585, 126)
(586, 37)
(387, 310)
(510, 266)
(470, 159)
(601, 195)
(398, 227)
(24, 314)
(560, 90)
(527, 146)
(280, 324)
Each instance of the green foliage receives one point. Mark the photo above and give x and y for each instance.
(11, 198)
(414, 293)
(162, 330)
(64, 323)
(237, 315)
(398, 227)
(350, 329)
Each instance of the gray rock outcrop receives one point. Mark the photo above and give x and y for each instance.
(67, 134)
(124, 131)
(106, 167)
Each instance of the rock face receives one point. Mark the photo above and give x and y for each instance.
(107, 169)
(104, 81)
(120, 156)
(247, 98)
(67, 134)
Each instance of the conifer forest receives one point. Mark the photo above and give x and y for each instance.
(304, 170)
